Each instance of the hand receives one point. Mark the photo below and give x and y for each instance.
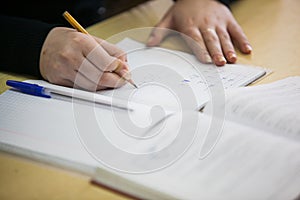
(211, 26)
(74, 59)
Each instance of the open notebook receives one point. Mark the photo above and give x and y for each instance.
(167, 77)
(255, 157)
(161, 72)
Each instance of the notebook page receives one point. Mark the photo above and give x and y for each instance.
(162, 74)
(51, 129)
(274, 106)
(39, 128)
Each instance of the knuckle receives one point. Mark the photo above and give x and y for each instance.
(191, 33)
(103, 79)
(223, 35)
(67, 57)
(210, 38)
(119, 52)
(79, 38)
(64, 55)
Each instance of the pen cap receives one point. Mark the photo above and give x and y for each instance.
(28, 88)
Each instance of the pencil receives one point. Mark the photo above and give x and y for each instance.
(79, 28)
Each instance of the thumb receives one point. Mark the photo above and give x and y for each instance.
(159, 32)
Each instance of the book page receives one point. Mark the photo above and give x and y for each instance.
(274, 106)
(245, 164)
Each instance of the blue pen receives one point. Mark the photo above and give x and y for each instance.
(37, 90)
(28, 88)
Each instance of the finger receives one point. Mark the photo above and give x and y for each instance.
(90, 71)
(82, 82)
(213, 45)
(227, 46)
(102, 60)
(160, 31)
(194, 40)
(112, 49)
(116, 67)
(239, 36)
(63, 82)
(123, 70)
(96, 54)
(111, 80)
(99, 57)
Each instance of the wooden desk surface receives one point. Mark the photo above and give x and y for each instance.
(273, 29)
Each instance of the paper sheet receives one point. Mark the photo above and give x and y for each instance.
(273, 107)
(163, 74)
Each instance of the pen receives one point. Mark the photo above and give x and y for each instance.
(79, 28)
(41, 91)
(28, 88)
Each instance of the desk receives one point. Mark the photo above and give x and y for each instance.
(274, 31)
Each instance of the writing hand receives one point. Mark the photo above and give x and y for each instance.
(211, 26)
(71, 58)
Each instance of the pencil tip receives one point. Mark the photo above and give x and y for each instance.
(132, 83)
(135, 86)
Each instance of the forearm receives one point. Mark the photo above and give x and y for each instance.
(21, 42)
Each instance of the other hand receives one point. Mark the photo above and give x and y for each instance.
(210, 25)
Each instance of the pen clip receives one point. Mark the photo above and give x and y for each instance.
(28, 88)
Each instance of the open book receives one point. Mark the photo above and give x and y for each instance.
(255, 155)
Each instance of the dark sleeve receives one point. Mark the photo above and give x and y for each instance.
(21, 42)
(225, 2)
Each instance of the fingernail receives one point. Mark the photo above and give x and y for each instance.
(125, 65)
(220, 60)
(207, 58)
(150, 40)
(248, 48)
(125, 74)
(121, 65)
(231, 56)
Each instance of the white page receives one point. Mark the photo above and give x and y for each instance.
(255, 164)
(245, 164)
(274, 106)
(153, 68)
(37, 127)
(52, 126)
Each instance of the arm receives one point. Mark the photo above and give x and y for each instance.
(207, 26)
(60, 55)
(21, 42)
